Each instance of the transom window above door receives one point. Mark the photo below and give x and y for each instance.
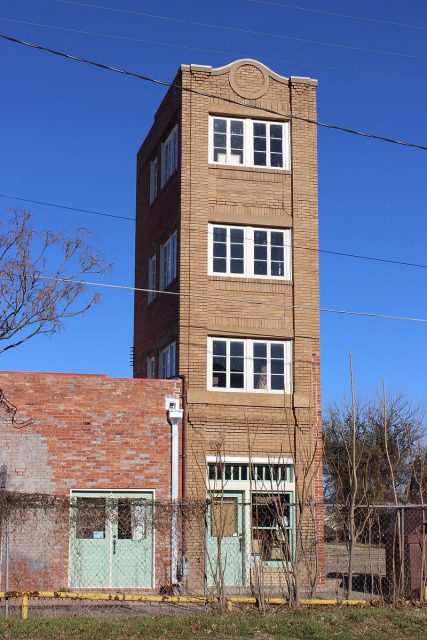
(250, 143)
(250, 252)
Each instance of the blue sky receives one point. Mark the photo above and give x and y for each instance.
(69, 134)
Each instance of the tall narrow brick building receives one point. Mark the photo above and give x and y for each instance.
(226, 239)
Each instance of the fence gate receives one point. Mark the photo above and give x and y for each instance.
(225, 539)
(111, 539)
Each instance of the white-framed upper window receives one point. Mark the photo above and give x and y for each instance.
(168, 261)
(167, 361)
(169, 155)
(153, 180)
(151, 366)
(252, 252)
(152, 278)
(250, 143)
(236, 364)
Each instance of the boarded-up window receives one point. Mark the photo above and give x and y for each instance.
(224, 517)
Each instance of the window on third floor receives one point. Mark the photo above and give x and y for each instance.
(251, 252)
(250, 143)
(168, 261)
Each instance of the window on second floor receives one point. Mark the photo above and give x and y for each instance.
(169, 155)
(152, 278)
(168, 261)
(167, 361)
(151, 367)
(251, 143)
(250, 251)
(153, 179)
(236, 364)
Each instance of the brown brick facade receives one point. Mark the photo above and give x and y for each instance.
(200, 193)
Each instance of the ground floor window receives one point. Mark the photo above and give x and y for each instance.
(251, 517)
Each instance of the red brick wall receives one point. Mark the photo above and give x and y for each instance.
(87, 432)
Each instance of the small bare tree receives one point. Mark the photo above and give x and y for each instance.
(39, 273)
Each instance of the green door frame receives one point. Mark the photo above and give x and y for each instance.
(231, 545)
(112, 558)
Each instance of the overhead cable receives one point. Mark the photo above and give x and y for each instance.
(239, 301)
(146, 78)
(204, 234)
(160, 43)
(251, 32)
(334, 14)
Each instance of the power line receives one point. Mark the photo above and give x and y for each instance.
(252, 32)
(146, 78)
(160, 43)
(339, 15)
(66, 207)
(202, 234)
(238, 300)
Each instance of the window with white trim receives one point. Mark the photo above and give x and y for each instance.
(151, 367)
(169, 155)
(250, 143)
(167, 361)
(251, 252)
(152, 278)
(168, 261)
(153, 179)
(236, 364)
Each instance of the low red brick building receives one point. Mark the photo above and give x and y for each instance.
(102, 447)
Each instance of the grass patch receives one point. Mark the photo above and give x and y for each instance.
(304, 624)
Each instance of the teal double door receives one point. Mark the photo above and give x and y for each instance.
(111, 540)
(225, 548)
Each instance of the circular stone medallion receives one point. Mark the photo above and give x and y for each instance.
(249, 80)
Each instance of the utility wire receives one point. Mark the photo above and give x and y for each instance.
(207, 233)
(66, 207)
(163, 83)
(159, 43)
(238, 300)
(285, 5)
(252, 32)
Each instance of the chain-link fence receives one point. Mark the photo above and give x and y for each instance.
(122, 553)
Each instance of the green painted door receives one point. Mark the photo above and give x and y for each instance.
(111, 542)
(225, 540)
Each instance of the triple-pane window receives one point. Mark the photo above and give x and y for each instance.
(249, 251)
(251, 143)
(249, 365)
(168, 261)
(169, 155)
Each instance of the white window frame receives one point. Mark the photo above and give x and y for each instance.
(169, 155)
(151, 366)
(248, 144)
(248, 251)
(153, 179)
(152, 278)
(167, 361)
(168, 260)
(248, 367)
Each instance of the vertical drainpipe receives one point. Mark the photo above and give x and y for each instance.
(174, 415)
(184, 436)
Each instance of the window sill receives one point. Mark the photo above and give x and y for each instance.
(250, 168)
(278, 400)
(230, 277)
